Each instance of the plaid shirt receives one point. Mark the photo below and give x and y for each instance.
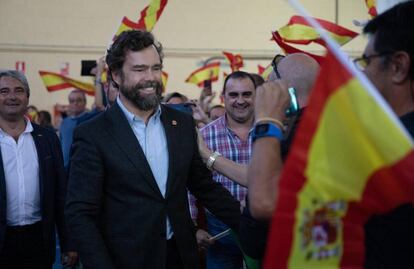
(219, 137)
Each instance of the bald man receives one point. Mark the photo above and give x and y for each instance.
(298, 71)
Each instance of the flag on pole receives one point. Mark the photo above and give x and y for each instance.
(264, 71)
(342, 169)
(235, 60)
(56, 82)
(149, 17)
(207, 72)
(372, 7)
(299, 31)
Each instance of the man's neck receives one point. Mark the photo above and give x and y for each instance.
(14, 128)
(241, 129)
(144, 115)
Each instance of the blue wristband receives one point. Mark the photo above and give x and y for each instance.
(267, 130)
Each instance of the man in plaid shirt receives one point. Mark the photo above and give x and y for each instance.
(229, 137)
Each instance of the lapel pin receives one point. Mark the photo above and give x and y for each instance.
(174, 122)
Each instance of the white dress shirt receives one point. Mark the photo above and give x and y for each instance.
(21, 169)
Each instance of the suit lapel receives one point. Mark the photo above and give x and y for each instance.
(126, 139)
(171, 127)
(41, 154)
(3, 195)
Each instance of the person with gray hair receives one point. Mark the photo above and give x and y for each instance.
(32, 184)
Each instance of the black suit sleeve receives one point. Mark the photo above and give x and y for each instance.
(84, 201)
(217, 199)
(60, 194)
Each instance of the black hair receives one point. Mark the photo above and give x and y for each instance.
(134, 40)
(238, 75)
(393, 31)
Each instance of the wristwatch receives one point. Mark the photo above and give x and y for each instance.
(266, 130)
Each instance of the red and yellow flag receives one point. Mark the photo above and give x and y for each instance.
(149, 17)
(235, 60)
(56, 82)
(299, 31)
(164, 79)
(289, 49)
(372, 7)
(343, 168)
(265, 71)
(207, 72)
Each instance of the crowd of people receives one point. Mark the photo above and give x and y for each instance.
(147, 181)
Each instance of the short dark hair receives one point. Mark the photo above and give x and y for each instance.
(168, 97)
(258, 79)
(134, 40)
(18, 76)
(393, 31)
(238, 75)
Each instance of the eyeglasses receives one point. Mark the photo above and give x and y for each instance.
(275, 62)
(362, 62)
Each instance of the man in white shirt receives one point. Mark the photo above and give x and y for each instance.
(32, 184)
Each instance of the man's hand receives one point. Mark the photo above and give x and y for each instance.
(202, 147)
(272, 100)
(69, 258)
(203, 239)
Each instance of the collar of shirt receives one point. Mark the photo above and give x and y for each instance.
(223, 122)
(28, 129)
(131, 117)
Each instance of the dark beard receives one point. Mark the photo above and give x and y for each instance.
(145, 103)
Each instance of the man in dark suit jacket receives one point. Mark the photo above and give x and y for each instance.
(131, 166)
(32, 184)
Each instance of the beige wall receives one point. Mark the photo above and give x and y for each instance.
(46, 33)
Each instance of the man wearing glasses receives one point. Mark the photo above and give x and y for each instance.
(388, 63)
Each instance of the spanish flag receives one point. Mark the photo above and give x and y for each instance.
(164, 79)
(56, 82)
(289, 49)
(265, 71)
(299, 31)
(207, 72)
(235, 60)
(351, 159)
(372, 7)
(149, 17)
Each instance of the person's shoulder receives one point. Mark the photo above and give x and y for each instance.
(43, 131)
(176, 113)
(92, 124)
(217, 124)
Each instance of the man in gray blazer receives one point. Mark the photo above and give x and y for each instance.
(130, 170)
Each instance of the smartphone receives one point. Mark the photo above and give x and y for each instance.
(185, 107)
(294, 105)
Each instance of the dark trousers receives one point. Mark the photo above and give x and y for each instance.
(173, 255)
(24, 248)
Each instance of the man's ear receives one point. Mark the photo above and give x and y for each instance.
(401, 63)
(116, 77)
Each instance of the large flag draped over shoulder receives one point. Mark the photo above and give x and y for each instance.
(351, 158)
(149, 17)
(56, 82)
(207, 72)
(299, 31)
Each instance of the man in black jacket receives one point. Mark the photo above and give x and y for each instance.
(32, 184)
